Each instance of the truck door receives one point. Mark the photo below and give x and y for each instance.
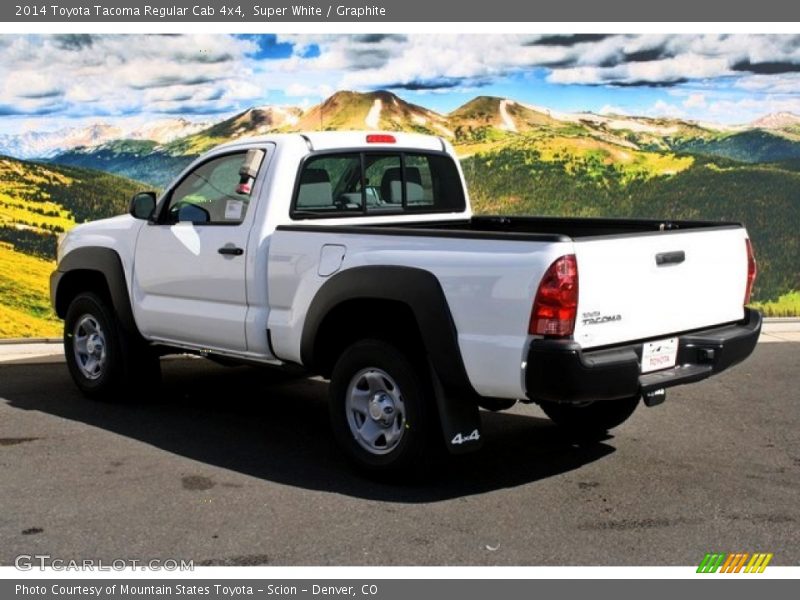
(189, 269)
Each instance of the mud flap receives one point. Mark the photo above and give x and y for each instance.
(654, 397)
(460, 419)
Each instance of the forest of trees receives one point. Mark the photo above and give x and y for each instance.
(30, 242)
(85, 196)
(155, 167)
(93, 194)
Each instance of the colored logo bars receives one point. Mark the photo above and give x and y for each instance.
(734, 562)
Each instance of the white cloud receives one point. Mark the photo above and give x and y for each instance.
(439, 61)
(298, 90)
(665, 109)
(118, 75)
(610, 109)
(414, 59)
(723, 109)
(744, 110)
(657, 72)
(33, 85)
(695, 101)
(785, 83)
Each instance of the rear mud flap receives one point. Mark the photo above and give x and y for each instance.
(460, 419)
(654, 397)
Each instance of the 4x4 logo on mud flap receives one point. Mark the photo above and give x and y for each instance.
(470, 437)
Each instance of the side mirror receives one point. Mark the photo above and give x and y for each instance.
(143, 205)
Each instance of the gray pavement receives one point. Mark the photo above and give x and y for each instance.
(238, 466)
(780, 330)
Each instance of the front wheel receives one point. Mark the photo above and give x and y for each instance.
(105, 361)
(591, 418)
(381, 410)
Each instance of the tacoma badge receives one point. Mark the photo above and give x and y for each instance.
(595, 318)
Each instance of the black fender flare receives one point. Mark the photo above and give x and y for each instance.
(108, 264)
(420, 290)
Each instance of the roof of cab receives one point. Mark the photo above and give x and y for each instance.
(331, 140)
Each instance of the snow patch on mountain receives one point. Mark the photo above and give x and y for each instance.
(507, 122)
(373, 117)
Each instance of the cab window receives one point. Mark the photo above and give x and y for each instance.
(377, 183)
(212, 194)
(330, 184)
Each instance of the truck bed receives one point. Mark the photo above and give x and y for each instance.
(545, 229)
(639, 278)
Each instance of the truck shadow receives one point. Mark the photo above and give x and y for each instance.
(269, 426)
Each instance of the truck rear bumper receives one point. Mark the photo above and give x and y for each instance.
(560, 371)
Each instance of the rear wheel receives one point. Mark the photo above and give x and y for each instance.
(381, 410)
(105, 361)
(590, 418)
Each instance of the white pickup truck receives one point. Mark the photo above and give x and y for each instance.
(356, 256)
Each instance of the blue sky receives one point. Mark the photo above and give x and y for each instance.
(52, 81)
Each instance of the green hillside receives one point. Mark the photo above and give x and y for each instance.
(753, 146)
(38, 201)
(482, 120)
(24, 295)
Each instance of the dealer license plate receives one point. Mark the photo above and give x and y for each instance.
(660, 354)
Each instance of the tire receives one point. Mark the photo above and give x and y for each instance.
(591, 419)
(382, 412)
(106, 362)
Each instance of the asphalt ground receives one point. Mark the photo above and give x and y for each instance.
(237, 466)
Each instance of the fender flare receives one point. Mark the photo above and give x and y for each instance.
(107, 263)
(421, 291)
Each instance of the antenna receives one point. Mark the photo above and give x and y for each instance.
(321, 106)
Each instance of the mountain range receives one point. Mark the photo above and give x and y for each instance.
(517, 158)
(484, 119)
(47, 144)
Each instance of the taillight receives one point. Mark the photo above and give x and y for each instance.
(556, 303)
(381, 138)
(752, 271)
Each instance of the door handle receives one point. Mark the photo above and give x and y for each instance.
(231, 251)
(670, 258)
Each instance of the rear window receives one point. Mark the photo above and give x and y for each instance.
(347, 184)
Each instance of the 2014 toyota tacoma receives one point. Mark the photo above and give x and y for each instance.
(356, 256)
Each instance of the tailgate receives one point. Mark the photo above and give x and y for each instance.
(644, 286)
